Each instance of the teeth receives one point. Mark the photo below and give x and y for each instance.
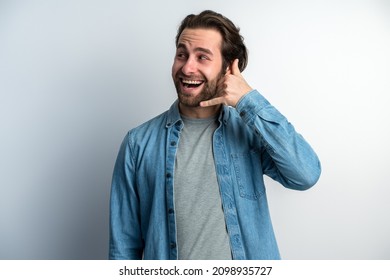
(192, 82)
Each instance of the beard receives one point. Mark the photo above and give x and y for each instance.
(208, 92)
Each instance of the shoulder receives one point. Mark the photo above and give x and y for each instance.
(152, 126)
(145, 139)
(158, 123)
(159, 120)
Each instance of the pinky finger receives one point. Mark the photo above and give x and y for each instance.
(212, 102)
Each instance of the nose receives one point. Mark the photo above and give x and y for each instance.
(189, 66)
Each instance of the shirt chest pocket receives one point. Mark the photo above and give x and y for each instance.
(248, 174)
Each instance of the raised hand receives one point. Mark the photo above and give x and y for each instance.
(230, 88)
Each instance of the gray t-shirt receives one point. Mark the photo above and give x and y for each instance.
(201, 227)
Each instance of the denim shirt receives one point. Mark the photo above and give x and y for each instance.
(252, 140)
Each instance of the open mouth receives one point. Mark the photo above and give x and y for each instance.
(191, 83)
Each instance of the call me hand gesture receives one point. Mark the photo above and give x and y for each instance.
(230, 88)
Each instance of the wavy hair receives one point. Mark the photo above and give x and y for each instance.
(232, 42)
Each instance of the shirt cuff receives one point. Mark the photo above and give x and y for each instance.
(250, 105)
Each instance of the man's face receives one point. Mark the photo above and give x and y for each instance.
(197, 67)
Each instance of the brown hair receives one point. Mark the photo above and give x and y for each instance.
(232, 42)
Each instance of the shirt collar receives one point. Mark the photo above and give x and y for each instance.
(175, 118)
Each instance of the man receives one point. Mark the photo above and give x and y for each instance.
(188, 184)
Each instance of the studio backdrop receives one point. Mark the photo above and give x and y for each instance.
(75, 76)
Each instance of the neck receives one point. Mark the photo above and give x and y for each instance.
(199, 112)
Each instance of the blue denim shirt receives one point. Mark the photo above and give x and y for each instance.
(252, 140)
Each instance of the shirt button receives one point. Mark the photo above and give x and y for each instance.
(243, 113)
(173, 245)
(170, 211)
(173, 143)
(169, 175)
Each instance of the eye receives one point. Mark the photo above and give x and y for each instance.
(181, 55)
(203, 57)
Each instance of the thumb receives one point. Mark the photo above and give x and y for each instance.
(235, 68)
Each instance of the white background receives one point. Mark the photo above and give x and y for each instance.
(75, 76)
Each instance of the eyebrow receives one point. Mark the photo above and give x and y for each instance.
(198, 49)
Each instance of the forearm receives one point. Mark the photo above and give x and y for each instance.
(292, 161)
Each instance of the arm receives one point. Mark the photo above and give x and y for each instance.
(125, 229)
(287, 157)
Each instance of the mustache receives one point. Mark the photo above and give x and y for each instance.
(181, 76)
(191, 77)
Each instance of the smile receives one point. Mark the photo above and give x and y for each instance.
(191, 83)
